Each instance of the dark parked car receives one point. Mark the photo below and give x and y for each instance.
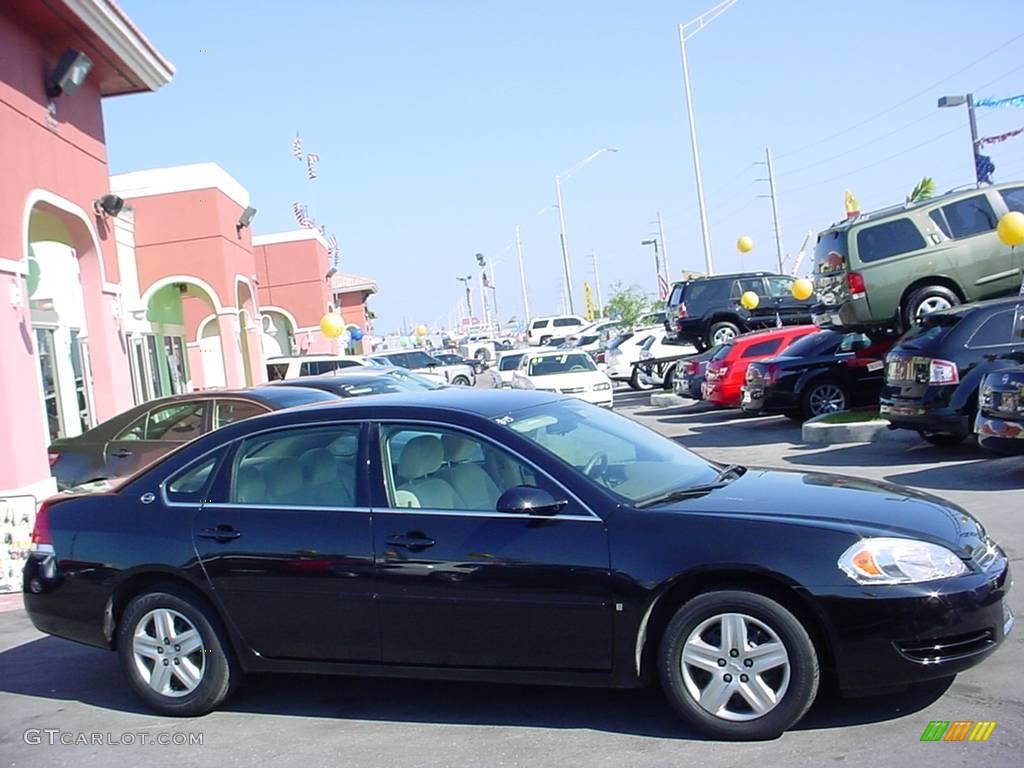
(1000, 422)
(690, 374)
(450, 358)
(933, 374)
(367, 380)
(707, 311)
(822, 373)
(518, 537)
(130, 440)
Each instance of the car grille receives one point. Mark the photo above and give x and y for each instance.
(943, 649)
(573, 390)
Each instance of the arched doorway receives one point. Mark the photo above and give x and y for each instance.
(249, 333)
(278, 332)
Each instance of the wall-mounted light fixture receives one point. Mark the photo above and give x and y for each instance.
(330, 273)
(108, 205)
(69, 74)
(245, 219)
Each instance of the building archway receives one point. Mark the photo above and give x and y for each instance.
(278, 332)
(249, 332)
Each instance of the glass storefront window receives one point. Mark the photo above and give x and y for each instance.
(153, 353)
(174, 346)
(51, 386)
(79, 363)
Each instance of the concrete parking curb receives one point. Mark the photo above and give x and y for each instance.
(816, 432)
(667, 400)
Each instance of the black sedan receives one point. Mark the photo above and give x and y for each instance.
(690, 374)
(121, 445)
(450, 358)
(1000, 420)
(825, 372)
(518, 537)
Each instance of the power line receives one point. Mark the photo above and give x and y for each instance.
(875, 164)
(896, 106)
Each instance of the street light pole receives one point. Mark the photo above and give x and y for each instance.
(695, 26)
(522, 277)
(657, 263)
(566, 265)
(775, 205)
(664, 251)
(956, 101)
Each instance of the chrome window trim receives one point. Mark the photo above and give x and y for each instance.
(413, 421)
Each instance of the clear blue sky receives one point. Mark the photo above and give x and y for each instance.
(441, 124)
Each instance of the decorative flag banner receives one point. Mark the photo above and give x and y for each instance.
(985, 168)
(311, 161)
(999, 138)
(297, 148)
(1009, 101)
(301, 217)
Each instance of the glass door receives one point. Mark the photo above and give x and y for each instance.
(80, 366)
(177, 363)
(45, 350)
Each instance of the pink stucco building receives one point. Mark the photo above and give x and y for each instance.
(64, 358)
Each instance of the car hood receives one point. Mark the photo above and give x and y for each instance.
(568, 380)
(863, 507)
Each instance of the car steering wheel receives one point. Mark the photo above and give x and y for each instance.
(598, 458)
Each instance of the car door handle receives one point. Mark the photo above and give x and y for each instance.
(412, 543)
(121, 453)
(222, 533)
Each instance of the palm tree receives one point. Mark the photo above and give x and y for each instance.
(924, 190)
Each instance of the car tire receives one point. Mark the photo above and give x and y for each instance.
(942, 439)
(759, 619)
(931, 298)
(460, 381)
(635, 383)
(722, 333)
(824, 396)
(670, 379)
(137, 635)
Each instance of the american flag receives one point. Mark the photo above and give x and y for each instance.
(311, 161)
(301, 218)
(778, 320)
(487, 282)
(332, 250)
(297, 148)
(662, 287)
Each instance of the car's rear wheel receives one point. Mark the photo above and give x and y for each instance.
(722, 333)
(738, 665)
(670, 378)
(174, 653)
(461, 381)
(823, 397)
(635, 382)
(928, 298)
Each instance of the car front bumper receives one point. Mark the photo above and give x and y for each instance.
(1002, 435)
(891, 636)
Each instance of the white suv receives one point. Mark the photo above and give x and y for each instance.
(543, 328)
(279, 368)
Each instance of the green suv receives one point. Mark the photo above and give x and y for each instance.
(887, 267)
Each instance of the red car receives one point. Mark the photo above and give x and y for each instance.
(728, 367)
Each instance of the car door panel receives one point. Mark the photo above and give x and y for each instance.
(288, 551)
(473, 587)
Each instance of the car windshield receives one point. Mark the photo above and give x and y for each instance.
(510, 362)
(377, 386)
(414, 380)
(548, 365)
(641, 464)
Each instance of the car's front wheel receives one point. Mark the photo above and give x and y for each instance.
(635, 382)
(460, 381)
(738, 665)
(175, 656)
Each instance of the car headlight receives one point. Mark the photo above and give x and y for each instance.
(899, 561)
(602, 386)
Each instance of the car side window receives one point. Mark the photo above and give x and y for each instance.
(229, 411)
(177, 423)
(744, 284)
(995, 331)
(1014, 198)
(277, 371)
(304, 467)
(854, 342)
(565, 322)
(780, 287)
(136, 430)
(940, 221)
(191, 485)
(970, 217)
(762, 348)
(537, 324)
(448, 470)
(889, 239)
(309, 369)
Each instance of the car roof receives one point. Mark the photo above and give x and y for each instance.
(786, 330)
(315, 358)
(554, 352)
(987, 304)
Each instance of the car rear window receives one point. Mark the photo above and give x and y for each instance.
(618, 340)
(889, 239)
(762, 348)
(706, 292)
(820, 343)
(1014, 198)
(831, 253)
(928, 330)
(509, 362)
(676, 296)
(539, 324)
(277, 371)
(722, 353)
(995, 331)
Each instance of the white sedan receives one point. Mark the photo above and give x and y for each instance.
(566, 372)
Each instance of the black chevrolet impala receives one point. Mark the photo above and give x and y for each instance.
(515, 537)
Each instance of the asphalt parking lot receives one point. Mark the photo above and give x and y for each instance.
(47, 683)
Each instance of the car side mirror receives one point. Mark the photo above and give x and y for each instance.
(529, 500)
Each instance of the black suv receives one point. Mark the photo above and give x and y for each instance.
(933, 373)
(707, 311)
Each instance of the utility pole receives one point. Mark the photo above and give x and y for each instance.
(566, 267)
(522, 277)
(657, 267)
(664, 251)
(597, 283)
(775, 203)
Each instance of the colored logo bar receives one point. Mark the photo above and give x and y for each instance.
(958, 730)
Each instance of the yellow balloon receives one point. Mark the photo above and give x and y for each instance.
(745, 244)
(1011, 228)
(749, 300)
(421, 330)
(331, 325)
(803, 289)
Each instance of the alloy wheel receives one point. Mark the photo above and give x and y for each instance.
(735, 667)
(168, 652)
(723, 336)
(933, 304)
(827, 398)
